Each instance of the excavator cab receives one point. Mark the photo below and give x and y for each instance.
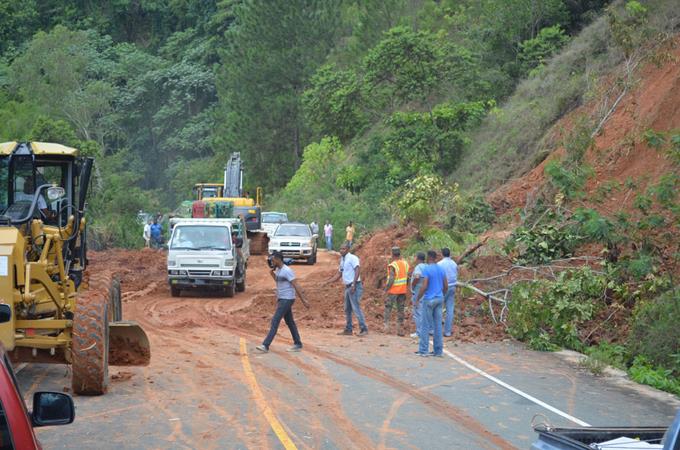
(59, 314)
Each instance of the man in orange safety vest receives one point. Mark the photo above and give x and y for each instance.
(396, 288)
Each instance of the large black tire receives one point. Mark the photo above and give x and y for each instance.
(241, 286)
(90, 344)
(229, 291)
(116, 301)
(312, 259)
(175, 291)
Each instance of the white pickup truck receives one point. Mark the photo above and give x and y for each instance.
(271, 220)
(203, 254)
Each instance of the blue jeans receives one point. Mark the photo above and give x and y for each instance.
(432, 319)
(352, 305)
(450, 305)
(329, 242)
(284, 310)
(417, 310)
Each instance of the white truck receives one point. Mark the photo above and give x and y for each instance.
(207, 254)
(271, 220)
(294, 240)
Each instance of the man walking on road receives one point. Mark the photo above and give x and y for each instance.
(349, 234)
(156, 234)
(328, 233)
(350, 273)
(315, 227)
(286, 288)
(415, 284)
(451, 270)
(432, 293)
(397, 285)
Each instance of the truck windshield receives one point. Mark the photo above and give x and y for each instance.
(274, 217)
(200, 237)
(293, 230)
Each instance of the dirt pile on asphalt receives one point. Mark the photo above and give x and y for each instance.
(136, 269)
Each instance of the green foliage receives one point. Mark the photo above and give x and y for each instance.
(642, 371)
(406, 65)
(333, 103)
(541, 244)
(534, 52)
(568, 181)
(547, 314)
(654, 139)
(595, 227)
(628, 26)
(430, 142)
(418, 201)
(436, 238)
(471, 213)
(654, 332)
(606, 354)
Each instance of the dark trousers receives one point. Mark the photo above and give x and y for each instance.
(284, 310)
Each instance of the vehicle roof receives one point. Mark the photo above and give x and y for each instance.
(273, 212)
(40, 148)
(209, 184)
(212, 222)
(294, 223)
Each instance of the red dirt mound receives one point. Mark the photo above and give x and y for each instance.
(619, 152)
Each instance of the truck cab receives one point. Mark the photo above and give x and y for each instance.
(205, 254)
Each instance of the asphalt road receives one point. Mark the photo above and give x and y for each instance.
(207, 388)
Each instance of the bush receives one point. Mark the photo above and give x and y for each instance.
(541, 244)
(436, 238)
(472, 214)
(655, 331)
(642, 371)
(548, 314)
(420, 199)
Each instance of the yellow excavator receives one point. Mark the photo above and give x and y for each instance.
(231, 190)
(60, 313)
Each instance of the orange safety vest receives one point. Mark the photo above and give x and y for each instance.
(400, 284)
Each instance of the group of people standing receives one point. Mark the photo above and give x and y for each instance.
(153, 232)
(350, 231)
(431, 283)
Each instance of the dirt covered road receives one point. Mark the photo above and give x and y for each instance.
(208, 388)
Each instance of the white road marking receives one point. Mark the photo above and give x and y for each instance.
(516, 391)
(19, 368)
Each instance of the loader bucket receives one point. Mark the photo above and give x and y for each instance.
(128, 344)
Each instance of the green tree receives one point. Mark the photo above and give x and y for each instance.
(333, 103)
(534, 52)
(273, 49)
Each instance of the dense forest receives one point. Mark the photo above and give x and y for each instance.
(162, 90)
(385, 111)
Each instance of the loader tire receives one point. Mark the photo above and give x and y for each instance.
(90, 344)
(241, 286)
(175, 291)
(116, 302)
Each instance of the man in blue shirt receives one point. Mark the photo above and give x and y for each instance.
(451, 270)
(432, 292)
(156, 234)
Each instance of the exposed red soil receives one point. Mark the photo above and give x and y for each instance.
(619, 152)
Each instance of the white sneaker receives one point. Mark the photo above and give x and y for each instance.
(262, 349)
(414, 335)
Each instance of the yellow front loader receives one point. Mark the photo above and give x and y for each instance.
(61, 314)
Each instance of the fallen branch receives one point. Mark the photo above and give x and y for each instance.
(471, 250)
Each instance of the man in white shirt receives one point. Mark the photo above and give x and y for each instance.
(350, 272)
(451, 270)
(147, 234)
(328, 233)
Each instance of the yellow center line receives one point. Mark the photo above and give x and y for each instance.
(262, 403)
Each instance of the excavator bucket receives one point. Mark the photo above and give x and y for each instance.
(128, 344)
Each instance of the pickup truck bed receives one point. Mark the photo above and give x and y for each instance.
(587, 437)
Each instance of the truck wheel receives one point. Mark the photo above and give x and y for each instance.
(311, 260)
(90, 344)
(116, 302)
(241, 286)
(174, 291)
(229, 291)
